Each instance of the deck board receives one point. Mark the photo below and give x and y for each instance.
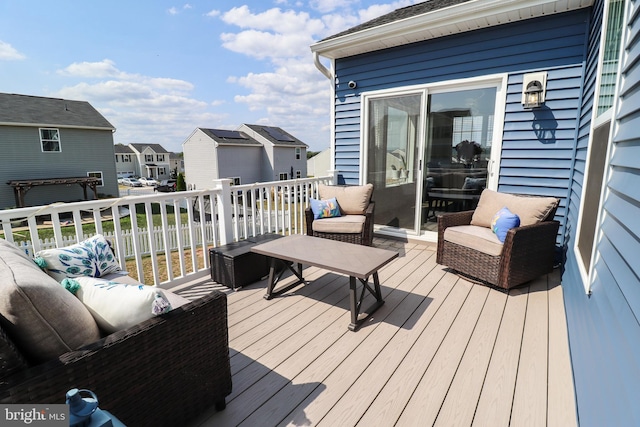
(440, 351)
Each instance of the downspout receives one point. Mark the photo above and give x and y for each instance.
(324, 70)
(329, 74)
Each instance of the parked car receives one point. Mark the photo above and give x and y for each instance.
(148, 181)
(131, 182)
(166, 185)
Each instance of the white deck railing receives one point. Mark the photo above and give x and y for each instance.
(207, 218)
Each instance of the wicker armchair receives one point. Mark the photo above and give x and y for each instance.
(527, 252)
(356, 222)
(164, 371)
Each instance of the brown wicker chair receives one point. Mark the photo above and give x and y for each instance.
(164, 371)
(362, 205)
(527, 252)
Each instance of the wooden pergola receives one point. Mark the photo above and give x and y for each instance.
(21, 186)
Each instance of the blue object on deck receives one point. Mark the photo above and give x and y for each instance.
(84, 412)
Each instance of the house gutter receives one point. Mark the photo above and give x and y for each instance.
(459, 18)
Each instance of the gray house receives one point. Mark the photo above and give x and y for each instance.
(252, 153)
(53, 150)
(126, 161)
(535, 97)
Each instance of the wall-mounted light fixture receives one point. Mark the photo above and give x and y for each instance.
(534, 87)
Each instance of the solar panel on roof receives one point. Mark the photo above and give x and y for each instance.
(228, 134)
(277, 135)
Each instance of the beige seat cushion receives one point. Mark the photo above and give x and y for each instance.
(531, 210)
(353, 199)
(340, 224)
(481, 239)
(42, 318)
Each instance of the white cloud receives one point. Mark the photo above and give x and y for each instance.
(142, 108)
(104, 68)
(9, 53)
(326, 6)
(294, 94)
(213, 13)
(172, 11)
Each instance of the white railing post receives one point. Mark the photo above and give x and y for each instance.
(225, 220)
(334, 177)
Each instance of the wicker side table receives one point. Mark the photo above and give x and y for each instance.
(234, 265)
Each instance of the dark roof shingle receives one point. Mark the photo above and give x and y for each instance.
(215, 134)
(41, 111)
(399, 14)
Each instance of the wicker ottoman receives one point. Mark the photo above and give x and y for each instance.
(234, 265)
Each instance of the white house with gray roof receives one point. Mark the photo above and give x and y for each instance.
(252, 153)
(48, 146)
(153, 160)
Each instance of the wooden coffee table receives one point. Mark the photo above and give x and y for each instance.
(356, 261)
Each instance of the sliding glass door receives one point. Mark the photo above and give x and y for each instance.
(430, 151)
(392, 157)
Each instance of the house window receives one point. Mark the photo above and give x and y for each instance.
(50, 140)
(298, 174)
(283, 176)
(148, 157)
(96, 175)
(235, 180)
(472, 128)
(161, 171)
(592, 189)
(159, 157)
(597, 157)
(126, 158)
(611, 34)
(298, 153)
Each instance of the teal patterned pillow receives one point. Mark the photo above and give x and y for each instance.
(324, 208)
(92, 257)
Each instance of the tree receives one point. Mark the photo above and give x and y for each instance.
(181, 185)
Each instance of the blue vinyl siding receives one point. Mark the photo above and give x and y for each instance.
(554, 43)
(604, 330)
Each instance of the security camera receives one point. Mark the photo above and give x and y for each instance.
(352, 84)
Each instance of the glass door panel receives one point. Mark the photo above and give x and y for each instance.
(392, 158)
(457, 151)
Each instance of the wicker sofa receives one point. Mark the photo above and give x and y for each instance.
(163, 371)
(467, 244)
(355, 223)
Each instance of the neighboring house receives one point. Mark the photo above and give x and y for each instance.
(148, 160)
(152, 160)
(126, 161)
(320, 164)
(253, 153)
(426, 78)
(50, 146)
(176, 164)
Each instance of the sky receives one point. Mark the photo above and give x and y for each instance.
(157, 69)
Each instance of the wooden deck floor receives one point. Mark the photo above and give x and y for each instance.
(441, 351)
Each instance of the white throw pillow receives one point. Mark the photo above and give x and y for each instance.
(117, 306)
(92, 257)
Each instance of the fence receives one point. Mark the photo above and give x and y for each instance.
(227, 212)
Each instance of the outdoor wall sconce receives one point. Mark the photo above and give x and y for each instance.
(534, 89)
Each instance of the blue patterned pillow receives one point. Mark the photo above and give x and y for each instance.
(503, 221)
(92, 257)
(325, 208)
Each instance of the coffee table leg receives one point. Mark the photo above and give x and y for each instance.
(274, 278)
(355, 303)
(271, 283)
